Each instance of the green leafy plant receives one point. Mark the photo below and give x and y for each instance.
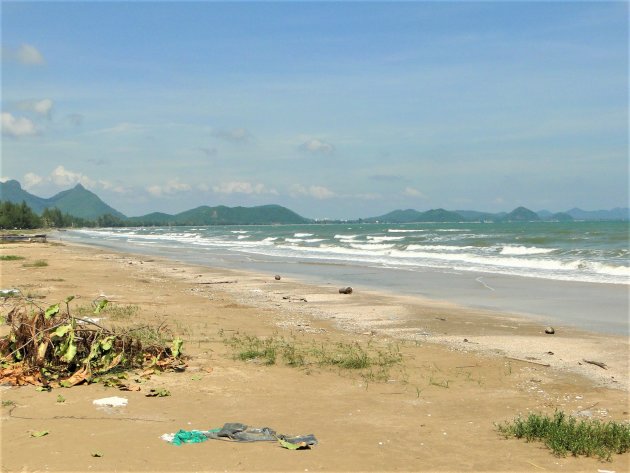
(11, 258)
(565, 434)
(51, 347)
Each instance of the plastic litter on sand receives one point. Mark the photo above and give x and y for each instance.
(110, 402)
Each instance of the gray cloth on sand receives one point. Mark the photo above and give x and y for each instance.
(236, 432)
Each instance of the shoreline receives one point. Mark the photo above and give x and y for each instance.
(551, 302)
(416, 318)
(436, 413)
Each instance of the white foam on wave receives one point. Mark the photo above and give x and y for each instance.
(371, 246)
(302, 235)
(384, 238)
(239, 231)
(399, 230)
(524, 250)
(345, 237)
(438, 248)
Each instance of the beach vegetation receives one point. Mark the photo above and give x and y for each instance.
(11, 258)
(564, 434)
(117, 312)
(8, 403)
(373, 361)
(51, 347)
(39, 263)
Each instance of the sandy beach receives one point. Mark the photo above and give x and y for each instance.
(462, 371)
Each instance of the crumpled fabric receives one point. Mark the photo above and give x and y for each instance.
(236, 432)
(187, 436)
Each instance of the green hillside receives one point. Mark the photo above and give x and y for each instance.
(78, 201)
(222, 215)
(11, 191)
(521, 214)
(411, 216)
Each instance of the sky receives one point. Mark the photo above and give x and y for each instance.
(334, 110)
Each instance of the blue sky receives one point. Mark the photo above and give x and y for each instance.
(339, 110)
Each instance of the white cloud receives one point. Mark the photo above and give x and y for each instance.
(235, 135)
(411, 192)
(317, 146)
(29, 55)
(17, 127)
(31, 180)
(368, 196)
(317, 192)
(241, 187)
(109, 186)
(173, 186)
(120, 128)
(41, 107)
(24, 54)
(63, 177)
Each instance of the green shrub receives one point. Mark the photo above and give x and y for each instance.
(565, 434)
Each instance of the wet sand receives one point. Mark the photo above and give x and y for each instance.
(437, 413)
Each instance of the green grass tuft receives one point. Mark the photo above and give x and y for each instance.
(345, 356)
(565, 434)
(11, 258)
(40, 263)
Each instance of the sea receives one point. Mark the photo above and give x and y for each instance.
(573, 272)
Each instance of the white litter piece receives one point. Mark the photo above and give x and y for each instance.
(110, 402)
(9, 292)
(167, 437)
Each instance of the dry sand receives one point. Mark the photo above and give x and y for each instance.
(437, 413)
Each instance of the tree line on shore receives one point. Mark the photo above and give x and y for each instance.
(21, 217)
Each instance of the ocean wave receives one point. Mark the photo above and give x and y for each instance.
(384, 238)
(525, 250)
(371, 246)
(439, 247)
(302, 235)
(399, 230)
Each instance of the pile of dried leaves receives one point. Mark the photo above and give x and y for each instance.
(50, 347)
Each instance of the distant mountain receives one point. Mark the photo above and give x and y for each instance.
(222, 215)
(397, 216)
(411, 216)
(475, 216)
(12, 191)
(617, 213)
(521, 214)
(77, 201)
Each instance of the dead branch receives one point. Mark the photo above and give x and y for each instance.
(596, 363)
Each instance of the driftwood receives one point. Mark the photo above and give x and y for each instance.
(218, 282)
(41, 238)
(528, 361)
(596, 363)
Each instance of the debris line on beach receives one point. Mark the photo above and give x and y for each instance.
(50, 347)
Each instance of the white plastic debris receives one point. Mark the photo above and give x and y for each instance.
(9, 292)
(167, 437)
(110, 402)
